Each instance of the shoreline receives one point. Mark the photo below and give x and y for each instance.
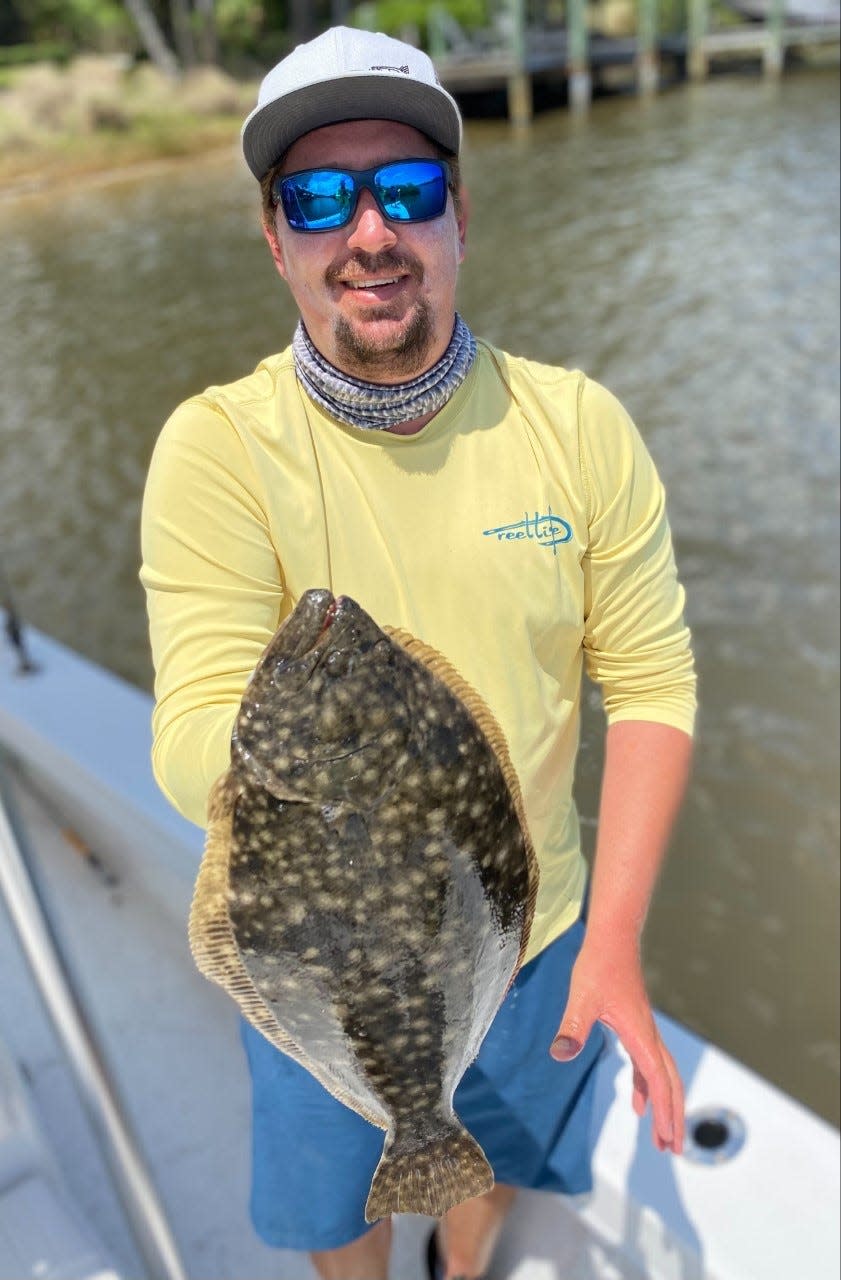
(37, 162)
(98, 163)
(27, 184)
(96, 121)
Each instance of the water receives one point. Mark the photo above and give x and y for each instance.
(683, 251)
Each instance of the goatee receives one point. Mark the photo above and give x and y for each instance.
(389, 359)
(364, 357)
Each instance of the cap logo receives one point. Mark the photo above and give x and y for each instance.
(380, 67)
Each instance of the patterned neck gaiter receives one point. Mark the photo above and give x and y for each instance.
(376, 406)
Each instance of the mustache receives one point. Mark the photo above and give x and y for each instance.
(358, 265)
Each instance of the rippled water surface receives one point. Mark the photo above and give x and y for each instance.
(684, 252)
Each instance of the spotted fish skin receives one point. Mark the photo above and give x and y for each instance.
(368, 883)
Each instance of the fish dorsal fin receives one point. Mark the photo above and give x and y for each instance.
(444, 670)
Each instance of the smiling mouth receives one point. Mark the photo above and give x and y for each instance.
(380, 283)
(363, 272)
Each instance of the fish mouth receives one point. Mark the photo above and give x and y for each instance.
(328, 620)
(307, 624)
(311, 626)
(331, 614)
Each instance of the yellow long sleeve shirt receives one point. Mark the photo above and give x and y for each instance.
(522, 533)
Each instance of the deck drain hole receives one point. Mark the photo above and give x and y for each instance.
(713, 1135)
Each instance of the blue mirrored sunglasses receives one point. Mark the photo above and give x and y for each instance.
(324, 199)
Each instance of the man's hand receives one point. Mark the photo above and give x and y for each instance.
(610, 988)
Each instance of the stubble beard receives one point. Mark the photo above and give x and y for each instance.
(386, 360)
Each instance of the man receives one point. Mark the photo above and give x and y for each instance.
(508, 514)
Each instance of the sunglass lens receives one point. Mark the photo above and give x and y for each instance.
(412, 190)
(318, 200)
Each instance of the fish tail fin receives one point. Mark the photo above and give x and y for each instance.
(428, 1176)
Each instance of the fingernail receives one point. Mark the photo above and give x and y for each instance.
(564, 1048)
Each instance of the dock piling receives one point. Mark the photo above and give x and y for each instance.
(579, 76)
(774, 54)
(648, 63)
(697, 60)
(519, 87)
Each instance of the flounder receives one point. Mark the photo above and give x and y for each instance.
(368, 883)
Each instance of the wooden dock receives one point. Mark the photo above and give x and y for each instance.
(761, 40)
(577, 56)
(551, 58)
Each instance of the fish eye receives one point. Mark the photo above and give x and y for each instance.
(339, 663)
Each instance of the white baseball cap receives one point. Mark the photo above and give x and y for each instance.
(346, 74)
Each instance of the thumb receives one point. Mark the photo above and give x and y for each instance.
(575, 1027)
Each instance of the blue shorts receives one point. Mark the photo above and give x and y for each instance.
(313, 1158)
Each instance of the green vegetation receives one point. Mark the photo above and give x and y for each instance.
(235, 34)
(18, 55)
(415, 19)
(174, 34)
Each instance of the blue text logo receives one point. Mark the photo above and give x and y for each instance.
(547, 530)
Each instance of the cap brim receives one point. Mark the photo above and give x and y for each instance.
(271, 129)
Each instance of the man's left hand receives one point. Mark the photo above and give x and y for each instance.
(611, 989)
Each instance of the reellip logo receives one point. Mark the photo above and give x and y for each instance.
(546, 530)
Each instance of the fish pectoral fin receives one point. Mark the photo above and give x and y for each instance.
(429, 1177)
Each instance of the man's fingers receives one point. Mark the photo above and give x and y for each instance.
(656, 1079)
(668, 1107)
(640, 1098)
(678, 1102)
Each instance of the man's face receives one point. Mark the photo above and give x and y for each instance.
(377, 297)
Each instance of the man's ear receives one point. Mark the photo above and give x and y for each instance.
(272, 241)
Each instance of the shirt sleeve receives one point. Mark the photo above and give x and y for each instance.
(213, 590)
(637, 646)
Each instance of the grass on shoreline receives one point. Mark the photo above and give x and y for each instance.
(97, 115)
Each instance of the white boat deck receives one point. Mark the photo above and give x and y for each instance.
(171, 1041)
